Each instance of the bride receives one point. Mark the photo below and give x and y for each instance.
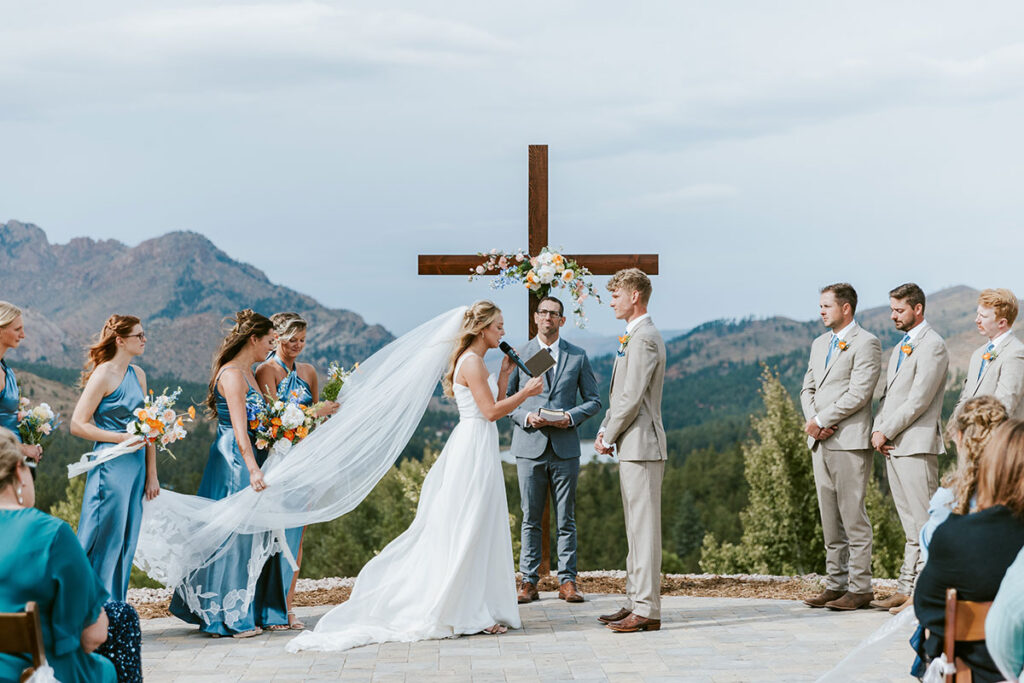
(451, 571)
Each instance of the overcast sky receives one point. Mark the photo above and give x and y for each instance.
(762, 149)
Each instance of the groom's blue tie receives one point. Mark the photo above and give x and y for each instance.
(831, 347)
(899, 362)
(984, 362)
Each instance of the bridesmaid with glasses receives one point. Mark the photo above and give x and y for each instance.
(282, 376)
(114, 388)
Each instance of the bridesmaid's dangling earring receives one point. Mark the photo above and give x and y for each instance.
(17, 492)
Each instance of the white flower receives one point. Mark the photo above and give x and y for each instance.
(144, 428)
(42, 412)
(292, 417)
(545, 258)
(279, 406)
(480, 270)
(546, 273)
(46, 428)
(567, 275)
(167, 417)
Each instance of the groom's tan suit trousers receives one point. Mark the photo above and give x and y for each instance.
(837, 390)
(633, 424)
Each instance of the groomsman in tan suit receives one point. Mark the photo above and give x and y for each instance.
(632, 427)
(908, 429)
(836, 398)
(996, 368)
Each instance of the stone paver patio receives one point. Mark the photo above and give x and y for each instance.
(702, 639)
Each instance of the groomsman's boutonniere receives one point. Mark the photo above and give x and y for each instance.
(843, 344)
(907, 349)
(623, 341)
(989, 356)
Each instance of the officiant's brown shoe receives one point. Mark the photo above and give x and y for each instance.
(851, 601)
(617, 616)
(897, 600)
(567, 591)
(527, 593)
(821, 598)
(634, 623)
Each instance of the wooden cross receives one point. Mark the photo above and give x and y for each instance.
(598, 264)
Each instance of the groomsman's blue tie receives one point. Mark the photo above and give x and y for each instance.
(903, 342)
(984, 362)
(831, 347)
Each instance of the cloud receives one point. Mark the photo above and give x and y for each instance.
(700, 192)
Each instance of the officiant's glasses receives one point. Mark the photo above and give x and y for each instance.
(543, 312)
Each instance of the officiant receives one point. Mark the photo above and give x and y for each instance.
(547, 447)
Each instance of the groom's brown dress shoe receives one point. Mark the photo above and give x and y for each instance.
(617, 616)
(634, 623)
(851, 601)
(821, 598)
(527, 593)
(567, 591)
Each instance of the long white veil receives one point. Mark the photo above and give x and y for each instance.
(321, 478)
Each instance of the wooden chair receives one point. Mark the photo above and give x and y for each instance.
(965, 621)
(20, 633)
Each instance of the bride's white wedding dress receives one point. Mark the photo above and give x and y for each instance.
(451, 572)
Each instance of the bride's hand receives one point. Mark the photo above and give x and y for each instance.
(506, 365)
(256, 480)
(534, 386)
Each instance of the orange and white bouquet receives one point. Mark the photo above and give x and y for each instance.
(283, 423)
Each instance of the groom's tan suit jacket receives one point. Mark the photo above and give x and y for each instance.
(633, 425)
(911, 408)
(1002, 377)
(839, 393)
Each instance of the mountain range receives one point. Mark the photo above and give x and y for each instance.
(181, 286)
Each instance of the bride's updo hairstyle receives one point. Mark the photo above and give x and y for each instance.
(974, 425)
(247, 324)
(105, 346)
(475, 320)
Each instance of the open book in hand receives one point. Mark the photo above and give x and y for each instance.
(540, 362)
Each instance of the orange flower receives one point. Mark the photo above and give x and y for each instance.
(290, 435)
(276, 422)
(988, 355)
(180, 422)
(253, 424)
(192, 412)
(275, 431)
(623, 338)
(302, 432)
(156, 425)
(141, 413)
(907, 349)
(843, 345)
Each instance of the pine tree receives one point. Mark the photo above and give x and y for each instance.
(781, 527)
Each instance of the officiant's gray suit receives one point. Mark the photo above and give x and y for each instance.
(550, 456)
(910, 417)
(1002, 377)
(633, 425)
(837, 391)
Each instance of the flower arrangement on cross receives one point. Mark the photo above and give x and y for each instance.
(539, 274)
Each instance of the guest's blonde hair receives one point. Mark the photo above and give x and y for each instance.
(1002, 301)
(632, 280)
(475, 320)
(973, 425)
(1001, 469)
(8, 313)
(10, 458)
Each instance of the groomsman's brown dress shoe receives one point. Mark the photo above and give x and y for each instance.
(527, 593)
(616, 616)
(896, 600)
(821, 598)
(567, 591)
(633, 623)
(851, 601)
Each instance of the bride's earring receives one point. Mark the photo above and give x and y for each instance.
(17, 492)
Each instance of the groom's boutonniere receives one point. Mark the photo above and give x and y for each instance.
(842, 344)
(623, 341)
(989, 356)
(907, 349)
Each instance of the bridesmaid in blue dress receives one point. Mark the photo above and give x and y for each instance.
(280, 375)
(12, 331)
(112, 506)
(42, 562)
(231, 467)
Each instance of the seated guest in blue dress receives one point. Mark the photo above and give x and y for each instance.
(41, 561)
(1004, 627)
(218, 597)
(282, 376)
(971, 553)
(12, 331)
(112, 504)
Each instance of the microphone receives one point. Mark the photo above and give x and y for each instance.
(507, 349)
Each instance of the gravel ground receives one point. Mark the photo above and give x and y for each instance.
(153, 602)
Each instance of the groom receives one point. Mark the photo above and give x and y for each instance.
(633, 426)
(548, 452)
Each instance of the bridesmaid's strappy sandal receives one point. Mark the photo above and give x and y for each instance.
(294, 623)
(248, 634)
(495, 630)
(278, 627)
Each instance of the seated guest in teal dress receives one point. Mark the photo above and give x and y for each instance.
(41, 562)
(218, 597)
(971, 553)
(282, 376)
(1004, 627)
(112, 505)
(12, 331)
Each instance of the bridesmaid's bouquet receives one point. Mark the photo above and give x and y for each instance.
(36, 424)
(281, 424)
(157, 423)
(336, 376)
